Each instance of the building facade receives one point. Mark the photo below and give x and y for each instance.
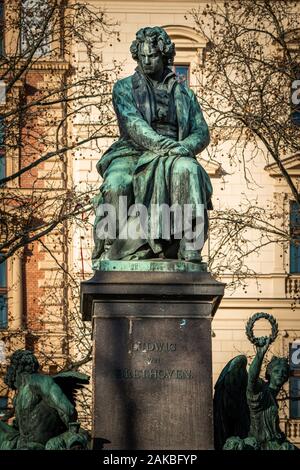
(33, 294)
(274, 287)
(37, 287)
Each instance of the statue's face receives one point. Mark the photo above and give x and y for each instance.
(151, 60)
(279, 376)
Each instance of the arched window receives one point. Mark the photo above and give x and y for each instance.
(294, 379)
(295, 97)
(295, 235)
(189, 51)
(35, 28)
(292, 39)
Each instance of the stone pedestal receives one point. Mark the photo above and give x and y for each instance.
(152, 365)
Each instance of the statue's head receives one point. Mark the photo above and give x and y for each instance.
(21, 361)
(277, 372)
(153, 50)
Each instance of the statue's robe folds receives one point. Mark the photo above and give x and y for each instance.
(139, 166)
(264, 419)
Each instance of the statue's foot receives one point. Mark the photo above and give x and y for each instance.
(188, 255)
(192, 256)
(140, 255)
(105, 255)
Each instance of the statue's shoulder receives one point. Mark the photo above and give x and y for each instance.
(40, 380)
(192, 98)
(189, 91)
(123, 84)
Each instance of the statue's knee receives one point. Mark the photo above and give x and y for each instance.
(117, 185)
(185, 166)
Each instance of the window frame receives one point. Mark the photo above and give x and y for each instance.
(43, 52)
(294, 375)
(185, 64)
(295, 108)
(294, 250)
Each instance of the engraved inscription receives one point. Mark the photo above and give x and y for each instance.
(154, 346)
(152, 360)
(160, 374)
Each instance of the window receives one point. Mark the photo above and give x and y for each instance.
(34, 14)
(295, 97)
(3, 295)
(190, 47)
(295, 380)
(183, 73)
(3, 406)
(295, 234)
(295, 116)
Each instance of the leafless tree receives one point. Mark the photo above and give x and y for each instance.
(245, 83)
(55, 81)
(57, 107)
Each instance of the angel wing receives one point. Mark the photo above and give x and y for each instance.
(70, 382)
(231, 412)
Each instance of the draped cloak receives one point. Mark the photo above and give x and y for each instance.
(152, 167)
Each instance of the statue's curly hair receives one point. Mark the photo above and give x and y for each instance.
(159, 38)
(275, 361)
(21, 360)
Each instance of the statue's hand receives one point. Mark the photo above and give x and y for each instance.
(262, 349)
(180, 151)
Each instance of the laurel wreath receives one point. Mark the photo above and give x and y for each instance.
(261, 340)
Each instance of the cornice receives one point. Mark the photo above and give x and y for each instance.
(186, 37)
(43, 65)
(55, 65)
(213, 169)
(291, 164)
(155, 6)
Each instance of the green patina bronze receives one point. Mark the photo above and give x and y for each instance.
(162, 129)
(43, 408)
(245, 406)
(166, 266)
